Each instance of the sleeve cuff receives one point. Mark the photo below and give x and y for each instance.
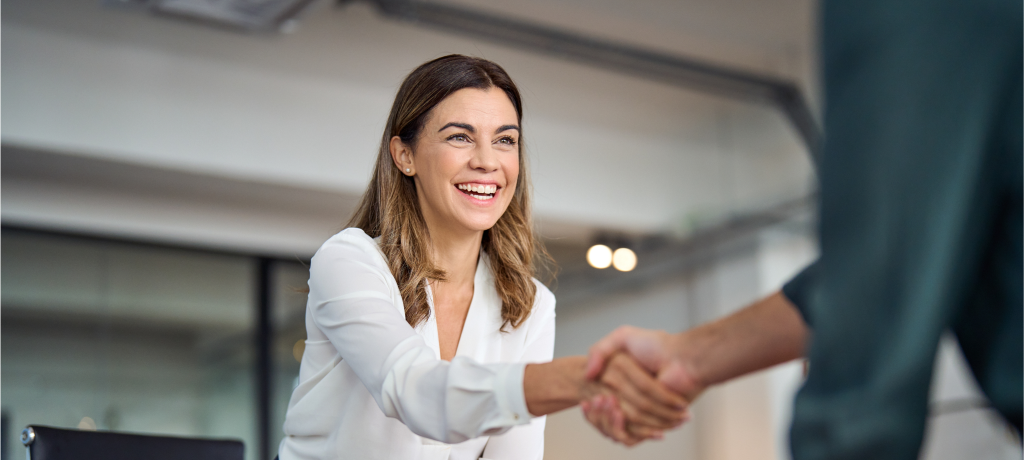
(511, 398)
(801, 288)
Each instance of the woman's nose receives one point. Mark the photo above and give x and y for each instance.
(484, 158)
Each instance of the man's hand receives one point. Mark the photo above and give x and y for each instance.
(655, 351)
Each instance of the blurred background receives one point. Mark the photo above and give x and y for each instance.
(170, 166)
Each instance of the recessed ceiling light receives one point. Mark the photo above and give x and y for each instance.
(624, 259)
(599, 256)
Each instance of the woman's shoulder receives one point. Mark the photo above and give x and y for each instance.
(351, 235)
(544, 299)
(352, 245)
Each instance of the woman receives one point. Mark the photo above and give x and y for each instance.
(423, 314)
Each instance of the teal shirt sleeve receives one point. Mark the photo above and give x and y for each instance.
(800, 289)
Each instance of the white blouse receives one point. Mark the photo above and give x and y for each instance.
(373, 387)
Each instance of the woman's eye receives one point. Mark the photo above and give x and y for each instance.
(507, 140)
(458, 137)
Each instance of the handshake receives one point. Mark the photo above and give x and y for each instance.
(637, 383)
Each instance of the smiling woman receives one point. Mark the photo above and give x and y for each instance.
(462, 118)
(422, 316)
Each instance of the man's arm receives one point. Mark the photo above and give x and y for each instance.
(768, 332)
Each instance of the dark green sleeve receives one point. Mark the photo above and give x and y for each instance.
(799, 290)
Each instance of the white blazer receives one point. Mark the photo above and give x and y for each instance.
(372, 387)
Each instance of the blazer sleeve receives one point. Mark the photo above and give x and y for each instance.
(352, 304)
(527, 441)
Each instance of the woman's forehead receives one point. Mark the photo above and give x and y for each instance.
(483, 106)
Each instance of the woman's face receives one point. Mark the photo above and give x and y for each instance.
(465, 162)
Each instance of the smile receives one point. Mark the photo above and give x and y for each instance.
(478, 191)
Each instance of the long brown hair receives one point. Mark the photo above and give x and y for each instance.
(389, 208)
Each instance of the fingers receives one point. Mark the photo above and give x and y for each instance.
(640, 418)
(643, 432)
(647, 384)
(619, 432)
(604, 348)
(602, 412)
(645, 400)
(597, 415)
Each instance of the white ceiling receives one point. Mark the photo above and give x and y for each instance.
(770, 37)
(304, 111)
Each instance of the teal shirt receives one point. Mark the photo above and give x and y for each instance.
(921, 221)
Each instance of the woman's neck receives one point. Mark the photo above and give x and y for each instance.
(457, 255)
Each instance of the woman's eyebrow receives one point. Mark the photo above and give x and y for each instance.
(465, 126)
(506, 128)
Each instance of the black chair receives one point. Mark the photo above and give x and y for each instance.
(48, 443)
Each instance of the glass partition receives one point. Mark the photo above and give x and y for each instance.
(100, 334)
(288, 314)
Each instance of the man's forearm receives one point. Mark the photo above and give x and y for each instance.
(768, 332)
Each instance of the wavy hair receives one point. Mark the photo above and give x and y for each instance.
(389, 208)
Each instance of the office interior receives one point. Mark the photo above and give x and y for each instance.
(166, 179)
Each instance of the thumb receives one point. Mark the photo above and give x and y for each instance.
(602, 350)
(677, 378)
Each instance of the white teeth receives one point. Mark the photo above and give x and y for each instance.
(478, 188)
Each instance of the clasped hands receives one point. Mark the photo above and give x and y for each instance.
(640, 388)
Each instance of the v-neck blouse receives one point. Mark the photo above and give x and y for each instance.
(373, 387)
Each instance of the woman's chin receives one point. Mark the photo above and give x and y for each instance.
(478, 225)
(477, 219)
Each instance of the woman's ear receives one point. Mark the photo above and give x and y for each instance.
(402, 156)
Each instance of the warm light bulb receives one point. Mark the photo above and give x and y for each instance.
(599, 256)
(624, 259)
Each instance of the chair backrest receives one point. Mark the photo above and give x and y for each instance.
(48, 443)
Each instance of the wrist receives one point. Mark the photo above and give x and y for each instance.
(687, 351)
(556, 385)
